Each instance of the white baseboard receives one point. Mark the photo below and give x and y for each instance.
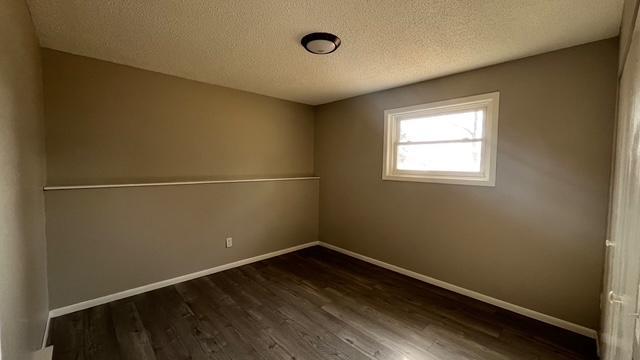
(457, 289)
(582, 330)
(160, 284)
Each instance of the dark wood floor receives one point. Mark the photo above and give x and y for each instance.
(312, 304)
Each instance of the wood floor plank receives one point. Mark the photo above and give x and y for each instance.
(233, 343)
(132, 337)
(327, 342)
(241, 320)
(164, 337)
(68, 337)
(314, 304)
(100, 342)
(456, 313)
(432, 320)
(402, 314)
(297, 298)
(201, 339)
(296, 342)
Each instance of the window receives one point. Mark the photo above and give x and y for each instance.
(451, 141)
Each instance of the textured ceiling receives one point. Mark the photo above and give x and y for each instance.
(253, 45)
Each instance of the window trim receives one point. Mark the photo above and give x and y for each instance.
(487, 174)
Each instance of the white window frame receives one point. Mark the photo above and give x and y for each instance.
(487, 174)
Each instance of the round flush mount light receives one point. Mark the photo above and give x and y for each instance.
(320, 43)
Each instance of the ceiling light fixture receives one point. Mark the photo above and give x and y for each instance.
(320, 43)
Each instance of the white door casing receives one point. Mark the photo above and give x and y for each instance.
(620, 320)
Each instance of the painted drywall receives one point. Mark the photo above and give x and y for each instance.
(108, 240)
(536, 238)
(108, 123)
(23, 280)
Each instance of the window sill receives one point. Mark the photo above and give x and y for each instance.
(453, 180)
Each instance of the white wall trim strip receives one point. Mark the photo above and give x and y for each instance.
(160, 284)
(174, 183)
(472, 294)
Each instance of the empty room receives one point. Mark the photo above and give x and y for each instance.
(319, 179)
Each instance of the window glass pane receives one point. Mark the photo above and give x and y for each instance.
(459, 157)
(452, 126)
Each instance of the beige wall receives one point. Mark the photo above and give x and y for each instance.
(109, 240)
(107, 123)
(536, 238)
(23, 281)
(113, 123)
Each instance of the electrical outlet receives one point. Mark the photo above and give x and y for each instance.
(229, 242)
